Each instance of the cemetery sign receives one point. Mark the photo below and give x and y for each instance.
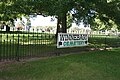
(71, 40)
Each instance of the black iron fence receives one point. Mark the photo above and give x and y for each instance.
(16, 45)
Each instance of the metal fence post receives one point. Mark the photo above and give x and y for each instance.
(0, 46)
(105, 42)
(17, 51)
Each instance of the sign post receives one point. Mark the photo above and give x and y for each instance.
(71, 40)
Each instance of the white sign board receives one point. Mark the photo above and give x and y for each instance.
(71, 40)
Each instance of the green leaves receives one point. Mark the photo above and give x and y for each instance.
(86, 10)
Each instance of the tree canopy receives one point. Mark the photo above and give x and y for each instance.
(82, 10)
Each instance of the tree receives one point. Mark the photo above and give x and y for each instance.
(87, 11)
(7, 14)
(103, 10)
(84, 10)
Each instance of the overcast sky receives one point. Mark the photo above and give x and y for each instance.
(43, 21)
(46, 21)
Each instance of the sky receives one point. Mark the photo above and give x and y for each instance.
(43, 21)
(46, 21)
(40, 21)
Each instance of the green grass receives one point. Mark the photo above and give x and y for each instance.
(98, 65)
(102, 41)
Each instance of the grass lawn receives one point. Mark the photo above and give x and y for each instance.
(98, 65)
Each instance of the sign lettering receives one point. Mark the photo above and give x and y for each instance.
(71, 40)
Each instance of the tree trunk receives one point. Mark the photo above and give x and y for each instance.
(61, 24)
(64, 23)
(58, 26)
